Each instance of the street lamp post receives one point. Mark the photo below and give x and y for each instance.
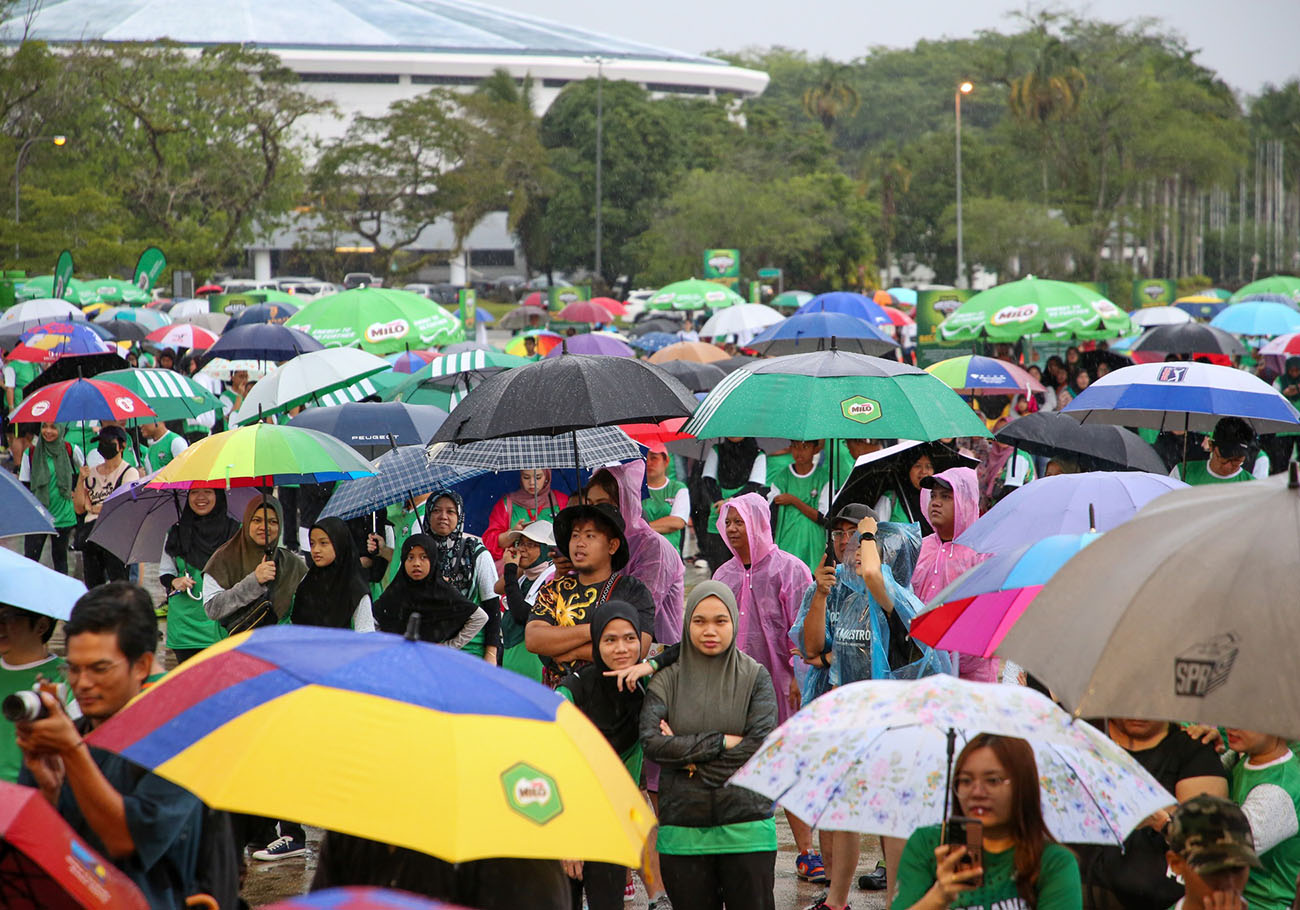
(964, 89)
(58, 140)
(600, 149)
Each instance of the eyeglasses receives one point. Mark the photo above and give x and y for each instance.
(95, 671)
(841, 535)
(989, 782)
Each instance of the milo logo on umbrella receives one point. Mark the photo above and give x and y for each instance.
(1105, 308)
(379, 331)
(1010, 314)
(860, 409)
(532, 793)
(125, 404)
(40, 408)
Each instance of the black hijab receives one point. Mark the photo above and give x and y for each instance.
(196, 537)
(615, 713)
(328, 595)
(443, 609)
(735, 461)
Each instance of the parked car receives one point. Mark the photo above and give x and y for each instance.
(361, 280)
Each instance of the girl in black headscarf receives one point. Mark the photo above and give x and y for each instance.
(203, 527)
(446, 616)
(333, 593)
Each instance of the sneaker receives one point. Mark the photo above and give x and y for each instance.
(629, 890)
(161, 610)
(280, 848)
(660, 903)
(810, 868)
(874, 880)
(820, 904)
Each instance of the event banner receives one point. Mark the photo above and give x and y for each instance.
(1154, 292)
(148, 267)
(467, 298)
(557, 298)
(722, 266)
(932, 308)
(62, 274)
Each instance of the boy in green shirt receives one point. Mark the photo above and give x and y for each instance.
(668, 506)
(24, 660)
(1266, 785)
(163, 445)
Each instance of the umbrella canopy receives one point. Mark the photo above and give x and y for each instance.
(546, 341)
(1215, 586)
(263, 455)
(971, 615)
(592, 343)
(1149, 317)
(192, 306)
(456, 374)
(124, 331)
(655, 436)
(1285, 299)
(1274, 284)
(1276, 351)
(116, 290)
(614, 307)
(521, 771)
(170, 395)
(411, 361)
(814, 331)
(791, 300)
(306, 379)
(973, 373)
(186, 337)
(150, 319)
(698, 377)
(521, 317)
(840, 396)
(34, 312)
(897, 316)
(905, 296)
(29, 585)
(1065, 504)
(879, 472)
(584, 311)
(1097, 447)
(567, 393)
(1258, 319)
(82, 366)
(870, 756)
(1034, 306)
(534, 299)
(591, 448)
(359, 899)
(41, 287)
(694, 294)
(1182, 396)
(20, 511)
(262, 313)
(1190, 338)
(223, 369)
(373, 428)
(267, 343)
(213, 322)
(81, 399)
(846, 303)
(663, 322)
(743, 320)
(400, 474)
(651, 342)
(49, 342)
(44, 865)
(1201, 309)
(379, 320)
(698, 351)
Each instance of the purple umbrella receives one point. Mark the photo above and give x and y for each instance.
(1061, 504)
(593, 343)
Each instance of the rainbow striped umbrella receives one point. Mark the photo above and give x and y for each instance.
(973, 373)
(386, 733)
(545, 341)
(263, 455)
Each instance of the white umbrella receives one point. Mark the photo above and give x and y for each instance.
(191, 307)
(744, 321)
(221, 368)
(871, 757)
(306, 378)
(45, 309)
(1159, 315)
(214, 322)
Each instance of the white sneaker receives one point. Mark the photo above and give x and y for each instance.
(280, 848)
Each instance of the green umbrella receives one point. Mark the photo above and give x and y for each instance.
(791, 300)
(694, 294)
(268, 295)
(171, 395)
(1034, 306)
(378, 320)
(42, 287)
(833, 395)
(1274, 284)
(115, 290)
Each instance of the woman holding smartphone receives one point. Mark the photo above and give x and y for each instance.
(1019, 864)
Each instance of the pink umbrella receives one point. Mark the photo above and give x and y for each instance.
(897, 316)
(536, 298)
(615, 308)
(189, 337)
(585, 311)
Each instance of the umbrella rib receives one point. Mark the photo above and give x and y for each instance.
(839, 785)
(1086, 789)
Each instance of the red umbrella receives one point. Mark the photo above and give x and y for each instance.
(209, 289)
(81, 399)
(897, 316)
(585, 311)
(536, 298)
(615, 308)
(45, 866)
(655, 436)
(187, 336)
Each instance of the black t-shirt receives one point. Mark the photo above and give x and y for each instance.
(1137, 877)
(565, 601)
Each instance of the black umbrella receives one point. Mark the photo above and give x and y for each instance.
(731, 364)
(886, 470)
(1188, 338)
(655, 324)
(262, 342)
(698, 377)
(373, 427)
(77, 366)
(1097, 447)
(126, 330)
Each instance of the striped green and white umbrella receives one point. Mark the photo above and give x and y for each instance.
(172, 395)
(455, 374)
(307, 378)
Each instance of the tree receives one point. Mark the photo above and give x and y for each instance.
(833, 96)
(1017, 238)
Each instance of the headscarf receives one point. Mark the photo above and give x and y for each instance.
(196, 537)
(40, 469)
(614, 711)
(328, 595)
(539, 565)
(532, 503)
(707, 693)
(990, 469)
(443, 609)
(652, 559)
(236, 559)
(735, 461)
(455, 555)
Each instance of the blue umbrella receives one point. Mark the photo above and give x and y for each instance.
(1258, 318)
(262, 342)
(1202, 310)
(263, 313)
(482, 315)
(805, 332)
(849, 304)
(20, 511)
(399, 475)
(372, 427)
(653, 341)
(903, 295)
(28, 585)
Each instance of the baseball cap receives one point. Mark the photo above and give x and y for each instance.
(853, 512)
(1232, 436)
(1212, 834)
(935, 482)
(539, 532)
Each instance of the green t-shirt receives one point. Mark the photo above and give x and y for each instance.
(1058, 877)
(1273, 886)
(60, 506)
(159, 453)
(1197, 473)
(24, 373)
(742, 837)
(659, 504)
(188, 626)
(17, 679)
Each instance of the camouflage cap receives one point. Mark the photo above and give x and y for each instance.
(1212, 834)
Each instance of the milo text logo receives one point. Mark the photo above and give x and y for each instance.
(860, 409)
(40, 408)
(532, 793)
(1010, 314)
(378, 331)
(722, 262)
(125, 404)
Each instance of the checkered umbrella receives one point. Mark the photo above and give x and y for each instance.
(399, 475)
(589, 448)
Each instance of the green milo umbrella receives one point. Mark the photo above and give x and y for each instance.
(833, 395)
(378, 320)
(115, 290)
(791, 300)
(41, 287)
(1034, 306)
(171, 395)
(1274, 284)
(693, 294)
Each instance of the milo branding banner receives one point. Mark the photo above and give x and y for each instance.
(148, 267)
(722, 266)
(1154, 292)
(557, 298)
(62, 274)
(932, 308)
(468, 300)
(231, 304)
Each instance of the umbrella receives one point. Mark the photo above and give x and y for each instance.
(27, 584)
(1033, 306)
(584, 311)
(546, 340)
(521, 771)
(594, 447)
(971, 615)
(380, 320)
(1097, 447)
(1065, 504)
(1258, 319)
(373, 428)
(698, 351)
(125, 330)
(973, 373)
(661, 323)
(221, 368)
(462, 347)
(897, 316)
(20, 511)
(1202, 308)
(170, 395)
(651, 342)
(655, 436)
(614, 307)
(1215, 587)
(116, 290)
(191, 307)
(44, 865)
(411, 361)
(359, 899)
(1182, 396)
(1274, 284)
(307, 378)
(80, 399)
(876, 473)
(82, 366)
(262, 455)
(53, 340)
(790, 300)
(187, 337)
(521, 317)
(261, 313)
(869, 757)
(150, 319)
(34, 312)
(458, 373)
(698, 377)
(42, 287)
(905, 296)
(693, 294)
(213, 322)
(847, 303)
(400, 474)
(1285, 299)
(593, 343)
(272, 343)
(1190, 338)
(833, 395)
(1276, 351)
(814, 331)
(1149, 317)
(743, 320)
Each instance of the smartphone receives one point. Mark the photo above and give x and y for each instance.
(969, 833)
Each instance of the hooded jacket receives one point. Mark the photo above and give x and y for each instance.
(768, 593)
(653, 561)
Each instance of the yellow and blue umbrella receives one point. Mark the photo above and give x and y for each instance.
(395, 740)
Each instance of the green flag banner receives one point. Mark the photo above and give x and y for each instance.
(62, 274)
(468, 300)
(148, 268)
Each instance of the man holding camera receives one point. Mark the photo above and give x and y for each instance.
(148, 827)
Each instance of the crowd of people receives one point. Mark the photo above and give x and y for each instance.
(587, 594)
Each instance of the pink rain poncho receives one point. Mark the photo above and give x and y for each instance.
(653, 560)
(940, 563)
(768, 594)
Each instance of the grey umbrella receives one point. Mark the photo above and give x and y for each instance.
(1186, 612)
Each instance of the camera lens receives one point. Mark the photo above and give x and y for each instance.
(22, 706)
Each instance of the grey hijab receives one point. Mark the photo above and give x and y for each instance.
(703, 693)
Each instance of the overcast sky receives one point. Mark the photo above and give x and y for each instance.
(1249, 42)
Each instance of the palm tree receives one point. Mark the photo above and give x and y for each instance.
(1049, 92)
(832, 96)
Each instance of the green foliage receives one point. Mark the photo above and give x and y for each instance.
(1016, 238)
